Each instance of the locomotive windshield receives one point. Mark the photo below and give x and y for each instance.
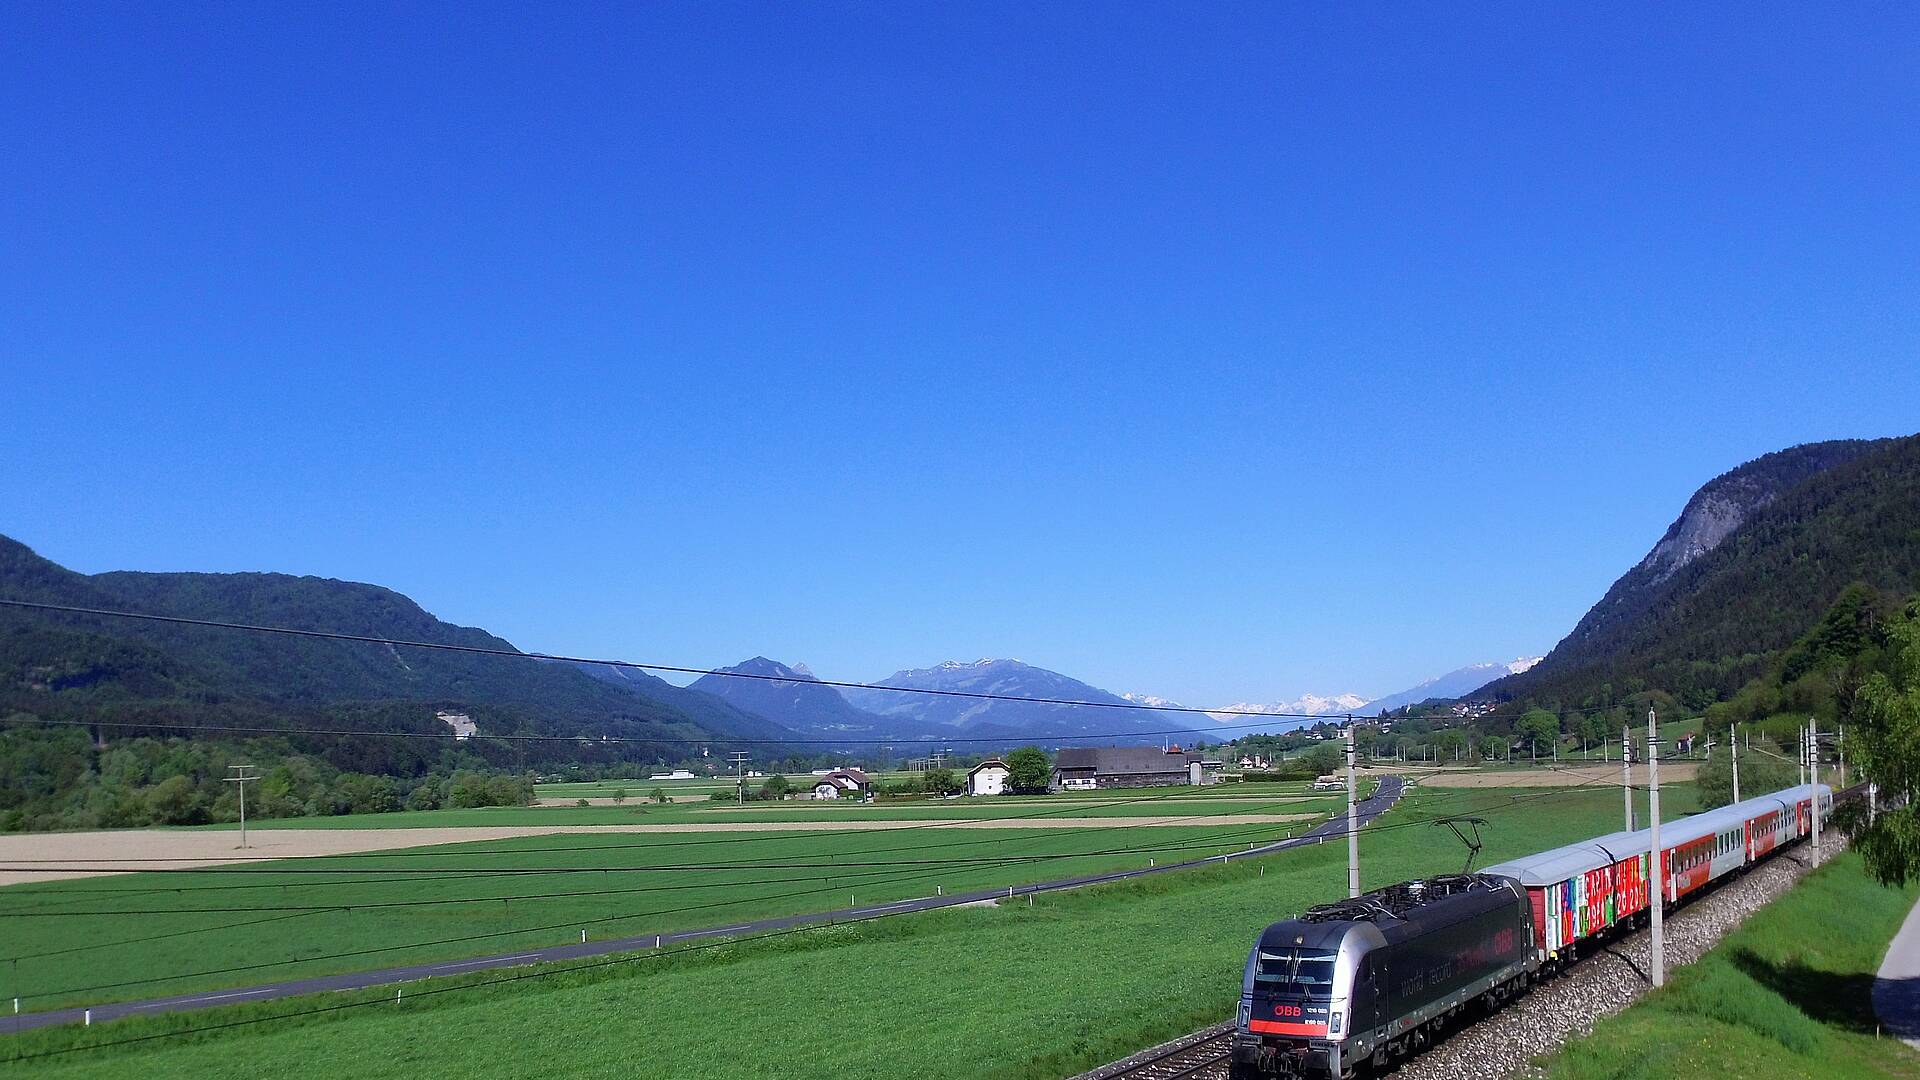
(1296, 971)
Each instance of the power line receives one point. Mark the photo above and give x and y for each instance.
(516, 654)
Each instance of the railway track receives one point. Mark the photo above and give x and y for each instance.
(1199, 1056)
(1204, 1053)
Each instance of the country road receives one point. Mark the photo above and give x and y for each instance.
(1379, 802)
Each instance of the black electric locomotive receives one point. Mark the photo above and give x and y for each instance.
(1374, 976)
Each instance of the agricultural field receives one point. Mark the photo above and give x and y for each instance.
(367, 908)
(1771, 1000)
(1007, 985)
(1577, 774)
(1217, 799)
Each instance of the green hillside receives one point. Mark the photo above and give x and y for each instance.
(107, 667)
(1701, 624)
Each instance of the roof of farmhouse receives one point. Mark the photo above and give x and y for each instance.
(1121, 759)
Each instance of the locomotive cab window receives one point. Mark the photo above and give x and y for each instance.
(1296, 971)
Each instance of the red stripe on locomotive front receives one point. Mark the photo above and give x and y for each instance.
(1282, 1027)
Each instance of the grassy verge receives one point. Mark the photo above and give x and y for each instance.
(1787, 995)
(1015, 992)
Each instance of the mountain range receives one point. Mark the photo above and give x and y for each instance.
(102, 666)
(934, 715)
(1457, 683)
(1751, 563)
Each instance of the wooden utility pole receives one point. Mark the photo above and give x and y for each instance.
(243, 774)
(739, 759)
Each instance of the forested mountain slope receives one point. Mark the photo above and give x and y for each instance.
(103, 662)
(1758, 555)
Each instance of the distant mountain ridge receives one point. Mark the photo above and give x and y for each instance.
(1018, 720)
(113, 663)
(793, 698)
(1457, 683)
(1308, 704)
(1754, 559)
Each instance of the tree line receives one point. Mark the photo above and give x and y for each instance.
(59, 778)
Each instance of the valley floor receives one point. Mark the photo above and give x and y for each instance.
(1013, 991)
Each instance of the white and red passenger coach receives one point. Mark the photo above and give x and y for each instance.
(1587, 888)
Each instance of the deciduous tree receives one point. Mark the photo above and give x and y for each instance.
(1029, 771)
(1885, 743)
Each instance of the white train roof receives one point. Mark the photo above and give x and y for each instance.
(1571, 860)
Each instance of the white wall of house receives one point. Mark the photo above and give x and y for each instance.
(988, 781)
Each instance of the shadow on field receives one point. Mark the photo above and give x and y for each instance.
(1840, 1001)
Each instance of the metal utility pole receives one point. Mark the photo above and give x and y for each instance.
(1813, 771)
(1626, 771)
(739, 760)
(1353, 822)
(1803, 755)
(1658, 962)
(241, 775)
(1733, 755)
(1841, 742)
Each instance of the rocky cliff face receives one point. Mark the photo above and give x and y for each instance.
(1710, 517)
(1720, 507)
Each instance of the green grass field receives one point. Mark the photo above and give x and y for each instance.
(1077, 979)
(1153, 802)
(1775, 999)
(639, 884)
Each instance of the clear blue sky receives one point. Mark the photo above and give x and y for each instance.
(1222, 353)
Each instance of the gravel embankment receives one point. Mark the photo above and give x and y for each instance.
(1542, 1020)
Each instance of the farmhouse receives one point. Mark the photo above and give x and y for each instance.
(839, 783)
(988, 778)
(1084, 768)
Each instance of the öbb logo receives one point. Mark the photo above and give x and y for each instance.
(1286, 1010)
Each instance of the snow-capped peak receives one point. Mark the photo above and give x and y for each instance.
(1307, 704)
(1152, 702)
(1522, 664)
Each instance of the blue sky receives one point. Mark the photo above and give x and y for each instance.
(1222, 353)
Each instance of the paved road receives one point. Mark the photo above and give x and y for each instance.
(1896, 989)
(1370, 808)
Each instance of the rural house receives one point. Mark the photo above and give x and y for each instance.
(988, 778)
(840, 783)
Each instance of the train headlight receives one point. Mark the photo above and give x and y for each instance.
(1333, 1022)
(1246, 1011)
